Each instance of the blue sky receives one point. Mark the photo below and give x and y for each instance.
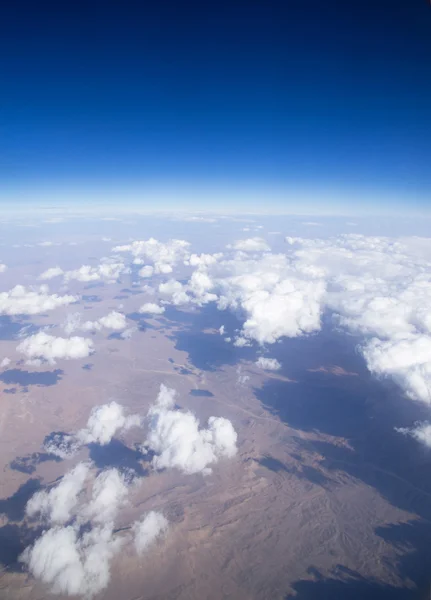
(320, 106)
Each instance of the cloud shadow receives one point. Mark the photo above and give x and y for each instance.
(364, 412)
(28, 463)
(117, 454)
(198, 336)
(25, 378)
(14, 506)
(345, 584)
(201, 393)
(11, 329)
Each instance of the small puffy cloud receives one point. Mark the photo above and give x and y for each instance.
(152, 309)
(105, 421)
(51, 273)
(3, 267)
(127, 333)
(57, 504)
(22, 301)
(146, 271)
(255, 244)
(5, 362)
(151, 527)
(178, 440)
(50, 348)
(113, 320)
(269, 364)
(175, 291)
(200, 285)
(203, 260)
(163, 268)
(109, 492)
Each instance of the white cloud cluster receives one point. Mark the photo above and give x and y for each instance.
(275, 298)
(76, 560)
(269, 364)
(42, 346)
(174, 292)
(105, 421)
(380, 288)
(74, 555)
(163, 256)
(151, 308)
(375, 287)
(72, 565)
(114, 320)
(109, 493)
(23, 301)
(109, 270)
(179, 442)
(203, 260)
(57, 504)
(5, 362)
(3, 267)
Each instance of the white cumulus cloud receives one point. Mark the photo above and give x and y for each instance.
(109, 493)
(50, 348)
(269, 364)
(105, 421)
(73, 564)
(146, 271)
(152, 309)
(51, 273)
(151, 527)
(178, 440)
(108, 270)
(22, 301)
(164, 256)
(57, 504)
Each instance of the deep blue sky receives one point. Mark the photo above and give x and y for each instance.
(327, 97)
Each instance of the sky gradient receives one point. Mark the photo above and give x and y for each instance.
(320, 106)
